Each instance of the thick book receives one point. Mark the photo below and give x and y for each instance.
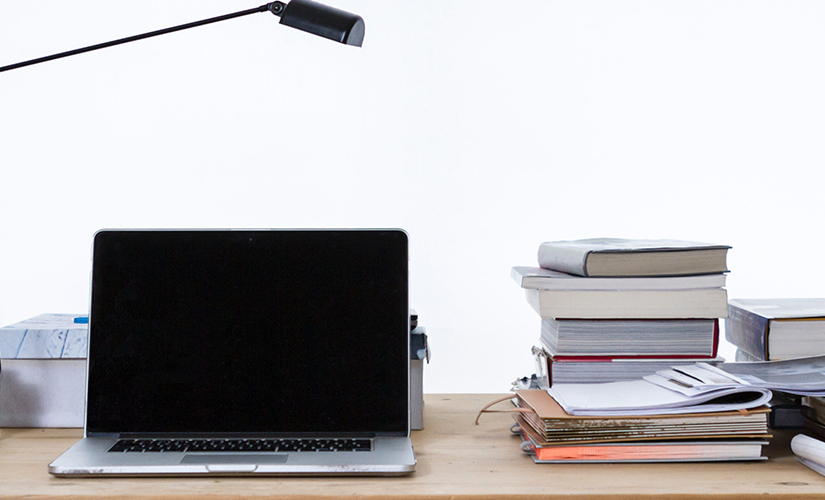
(547, 279)
(551, 370)
(775, 329)
(633, 257)
(629, 304)
(666, 338)
(549, 424)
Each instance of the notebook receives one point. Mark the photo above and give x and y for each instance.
(242, 352)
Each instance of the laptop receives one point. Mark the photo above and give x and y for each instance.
(246, 352)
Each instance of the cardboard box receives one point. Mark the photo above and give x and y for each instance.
(43, 377)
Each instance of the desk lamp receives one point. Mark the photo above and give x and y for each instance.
(305, 15)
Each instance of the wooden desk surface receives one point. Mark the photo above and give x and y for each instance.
(455, 460)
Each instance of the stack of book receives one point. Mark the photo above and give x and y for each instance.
(700, 412)
(550, 435)
(617, 309)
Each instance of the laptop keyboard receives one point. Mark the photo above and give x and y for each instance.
(230, 445)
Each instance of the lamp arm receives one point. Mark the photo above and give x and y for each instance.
(274, 7)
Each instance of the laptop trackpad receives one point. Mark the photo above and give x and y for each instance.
(234, 458)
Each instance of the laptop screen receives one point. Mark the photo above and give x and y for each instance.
(281, 331)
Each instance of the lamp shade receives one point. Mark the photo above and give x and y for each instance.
(324, 21)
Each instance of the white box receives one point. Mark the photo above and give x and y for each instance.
(43, 378)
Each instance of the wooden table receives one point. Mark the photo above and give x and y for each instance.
(455, 460)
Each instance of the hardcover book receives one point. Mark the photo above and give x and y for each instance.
(633, 257)
(775, 329)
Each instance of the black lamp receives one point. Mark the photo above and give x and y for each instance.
(305, 15)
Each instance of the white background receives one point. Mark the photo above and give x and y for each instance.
(483, 128)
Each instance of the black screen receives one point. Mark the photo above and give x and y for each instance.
(281, 331)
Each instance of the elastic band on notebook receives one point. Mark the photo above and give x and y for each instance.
(487, 409)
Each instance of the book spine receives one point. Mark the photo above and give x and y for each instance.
(566, 260)
(748, 331)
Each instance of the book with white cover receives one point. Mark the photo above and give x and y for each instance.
(548, 279)
(629, 304)
(633, 257)
(777, 328)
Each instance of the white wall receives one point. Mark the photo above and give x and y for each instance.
(483, 128)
